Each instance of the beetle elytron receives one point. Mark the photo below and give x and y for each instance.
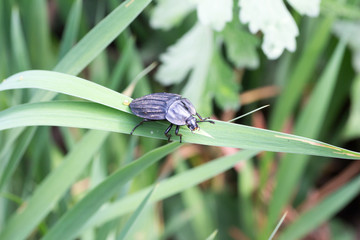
(167, 106)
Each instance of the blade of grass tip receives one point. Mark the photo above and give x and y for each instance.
(130, 89)
(203, 133)
(277, 226)
(213, 235)
(251, 112)
(71, 28)
(53, 187)
(322, 212)
(131, 221)
(70, 224)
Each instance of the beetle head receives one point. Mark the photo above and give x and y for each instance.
(191, 123)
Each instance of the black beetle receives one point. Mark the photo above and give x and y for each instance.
(167, 106)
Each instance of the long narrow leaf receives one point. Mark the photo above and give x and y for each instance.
(100, 36)
(309, 123)
(88, 48)
(134, 216)
(19, 49)
(70, 224)
(11, 161)
(71, 28)
(96, 116)
(53, 187)
(171, 186)
(67, 84)
(322, 212)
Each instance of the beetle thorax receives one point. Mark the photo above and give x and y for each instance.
(179, 112)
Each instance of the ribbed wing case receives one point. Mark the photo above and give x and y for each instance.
(153, 106)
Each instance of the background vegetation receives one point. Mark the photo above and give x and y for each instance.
(69, 168)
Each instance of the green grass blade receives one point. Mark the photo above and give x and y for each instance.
(70, 224)
(314, 217)
(96, 116)
(171, 186)
(71, 28)
(4, 48)
(19, 49)
(11, 161)
(125, 230)
(352, 129)
(122, 64)
(39, 40)
(86, 50)
(294, 87)
(301, 74)
(194, 200)
(245, 199)
(277, 226)
(67, 84)
(212, 236)
(100, 36)
(309, 124)
(341, 9)
(53, 187)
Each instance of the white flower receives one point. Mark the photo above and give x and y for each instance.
(214, 13)
(306, 7)
(273, 19)
(169, 13)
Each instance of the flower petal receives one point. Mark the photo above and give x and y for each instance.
(166, 15)
(273, 19)
(215, 13)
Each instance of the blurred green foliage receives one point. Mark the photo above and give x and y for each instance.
(65, 182)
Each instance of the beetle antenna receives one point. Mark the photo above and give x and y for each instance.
(255, 110)
(205, 120)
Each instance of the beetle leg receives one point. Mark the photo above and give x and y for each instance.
(177, 133)
(204, 119)
(132, 131)
(167, 132)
